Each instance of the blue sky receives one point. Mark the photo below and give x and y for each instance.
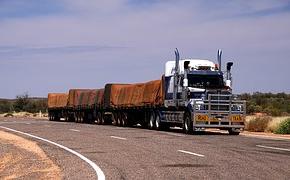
(53, 45)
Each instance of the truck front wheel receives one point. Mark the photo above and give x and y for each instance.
(187, 124)
(234, 131)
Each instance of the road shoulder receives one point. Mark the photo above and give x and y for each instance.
(22, 158)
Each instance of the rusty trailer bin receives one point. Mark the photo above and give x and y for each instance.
(57, 100)
(89, 98)
(134, 95)
(75, 97)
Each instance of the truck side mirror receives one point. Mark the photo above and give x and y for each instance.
(185, 65)
(229, 66)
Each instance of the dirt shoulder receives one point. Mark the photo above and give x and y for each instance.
(24, 159)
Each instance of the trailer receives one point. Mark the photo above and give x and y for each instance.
(57, 103)
(84, 105)
(131, 104)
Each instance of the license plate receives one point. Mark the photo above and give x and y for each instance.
(236, 118)
(201, 117)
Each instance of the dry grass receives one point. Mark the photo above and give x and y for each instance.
(274, 124)
(258, 124)
(263, 123)
(24, 114)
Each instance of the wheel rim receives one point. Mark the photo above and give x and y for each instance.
(151, 122)
(119, 121)
(157, 122)
(186, 124)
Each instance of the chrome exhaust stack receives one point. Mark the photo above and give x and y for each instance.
(176, 75)
(219, 58)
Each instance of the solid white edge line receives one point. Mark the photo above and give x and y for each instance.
(265, 137)
(75, 130)
(100, 174)
(275, 148)
(116, 137)
(191, 153)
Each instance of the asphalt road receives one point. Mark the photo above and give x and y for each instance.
(135, 153)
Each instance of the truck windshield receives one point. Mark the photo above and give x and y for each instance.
(205, 81)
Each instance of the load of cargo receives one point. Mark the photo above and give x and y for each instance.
(79, 104)
(57, 100)
(193, 94)
(133, 95)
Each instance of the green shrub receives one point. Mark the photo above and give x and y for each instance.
(258, 124)
(284, 127)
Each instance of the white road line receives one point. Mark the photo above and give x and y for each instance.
(191, 153)
(99, 172)
(27, 123)
(116, 137)
(75, 130)
(276, 148)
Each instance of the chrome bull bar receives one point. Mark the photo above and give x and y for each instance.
(219, 111)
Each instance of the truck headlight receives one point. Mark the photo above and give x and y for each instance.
(236, 108)
(197, 107)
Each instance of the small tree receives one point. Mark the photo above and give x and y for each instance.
(22, 102)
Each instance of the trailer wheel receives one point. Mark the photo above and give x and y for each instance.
(99, 119)
(124, 120)
(114, 119)
(187, 124)
(77, 117)
(152, 122)
(157, 122)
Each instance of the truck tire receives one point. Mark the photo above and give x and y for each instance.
(99, 119)
(151, 123)
(158, 122)
(124, 120)
(187, 124)
(233, 132)
(120, 122)
(115, 119)
(77, 119)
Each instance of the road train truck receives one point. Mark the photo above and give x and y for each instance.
(193, 94)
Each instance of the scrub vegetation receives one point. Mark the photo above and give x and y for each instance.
(23, 103)
(267, 103)
(284, 127)
(262, 123)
